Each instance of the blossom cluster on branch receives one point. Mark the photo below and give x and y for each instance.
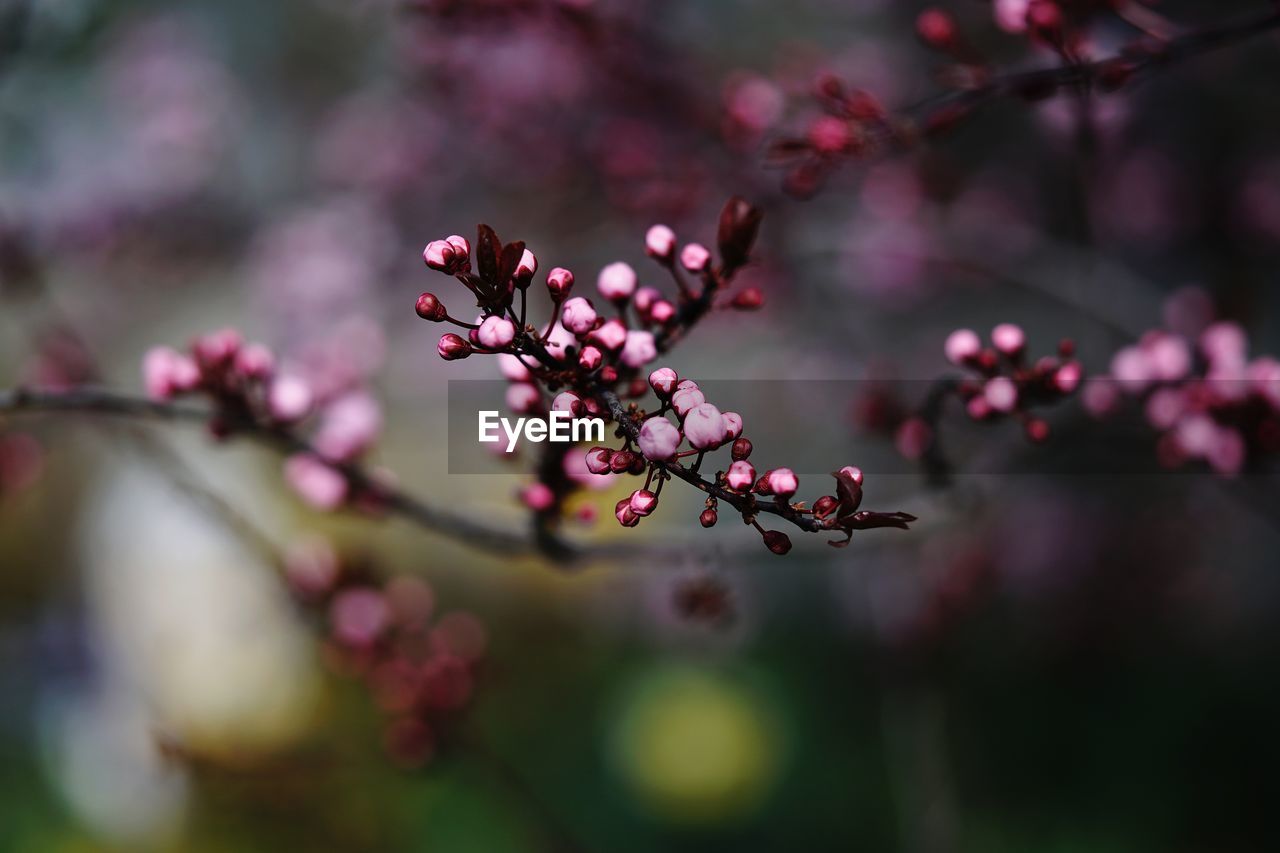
(1199, 389)
(854, 125)
(585, 359)
(418, 666)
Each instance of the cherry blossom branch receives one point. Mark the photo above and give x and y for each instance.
(104, 402)
(856, 126)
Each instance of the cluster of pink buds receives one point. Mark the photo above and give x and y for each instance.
(654, 444)
(591, 343)
(1204, 395)
(852, 125)
(1006, 384)
(419, 667)
(249, 392)
(591, 354)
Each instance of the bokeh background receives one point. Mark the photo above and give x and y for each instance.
(1056, 657)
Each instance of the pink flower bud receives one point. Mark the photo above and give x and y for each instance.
(578, 316)
(590, 358)
(777, 541)
(852, 472)
(255, 361)
(496, 332)
(598, 459)
(732, 425)
(695, 257)
(349, 426)
(685, 399)
(1001, 394)
(289, 398)
(824, 506)
(318, 484)
(643, 502)
(567, 401)
(625, 515)
(741, 449)
(936, 28)
(663, 381)
(1224, 344)
(611, 336)
(1067, 377)
(639, 349)
(452, 347)
(460, 246)
(645, 298)
(538, 497)
(559, 283)
(439, 255)
(216, 349)
(617, 281)
(782, 482)
(359, 616)
(660, 242)
(686, 384)
(1008, 339)
(523, 398)
(963, 345)
(708, 518)
(704, 427)
(430, 308)
(166, 372)
(748, 299)
(740, 476)
(1168, 356)
(658, 439)
(829, 134)
(513, 367)
(527, 266)
(662, 312)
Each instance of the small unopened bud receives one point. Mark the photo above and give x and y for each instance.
(598, 459)
(741, 449)
(1001, 394)
(708, 518)
(590, 358)
(732, 425)
(663, 381)
(662, 312)
(740, 476)
(429, 308)
(452, 347)
(824, 506)
(1008, 339)
(578, 316)
(611, 336)
(617, 281)
(777, 541)
(783, 482)
(255, 361)
(525, 269)
(625, 515)
(852, 472)
(962, 346)
(749, 299)
(695, 257)
(567, 401)
(621, 461)
(658, 439)
(660, 242)
(643, 502)
(936, 28)
(496, 332)
(559, 283)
